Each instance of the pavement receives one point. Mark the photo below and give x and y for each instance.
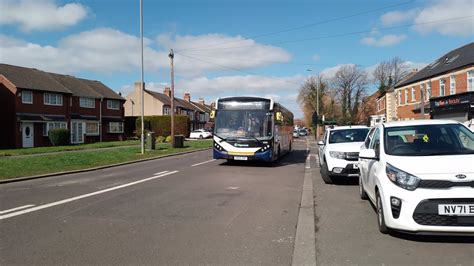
(187, 209)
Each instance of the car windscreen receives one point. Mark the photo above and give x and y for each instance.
(426, 140)
(348, 135)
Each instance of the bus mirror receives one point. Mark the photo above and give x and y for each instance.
(279, 116)
(212, 114)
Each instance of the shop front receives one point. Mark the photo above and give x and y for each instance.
(459, 107)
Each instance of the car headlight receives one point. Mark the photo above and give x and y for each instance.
(402, 178)
(337, 154)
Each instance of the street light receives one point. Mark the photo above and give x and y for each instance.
(317, 105)
(142, 139)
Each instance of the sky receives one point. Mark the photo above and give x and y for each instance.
(227, 47)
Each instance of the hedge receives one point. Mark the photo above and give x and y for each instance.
(161, 125)
(59, 136)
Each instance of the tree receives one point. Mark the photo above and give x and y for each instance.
(390, 72)
(350, 83)
(308, 94)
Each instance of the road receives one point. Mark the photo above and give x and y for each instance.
(192, 210)
(199, 212)
(347, 233)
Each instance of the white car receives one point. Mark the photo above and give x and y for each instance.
(200, 134)
(339, 152)
(296, 133)
(419, 174)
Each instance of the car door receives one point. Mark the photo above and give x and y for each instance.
(373, 166)
(363, 163)
(321, 147)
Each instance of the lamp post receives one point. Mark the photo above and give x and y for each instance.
(142, 139)
(171, 56)
(317, 105)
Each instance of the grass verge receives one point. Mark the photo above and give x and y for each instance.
(11, 167)
(97, 145)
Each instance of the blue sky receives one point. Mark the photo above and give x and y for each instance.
(228, 47)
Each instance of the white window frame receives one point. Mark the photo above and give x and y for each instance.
(428, 91)
(166, 110)
(399, 98)
(452, 84)
(110, 104)
(85, 102)
(470, 80)
(49, 96)
(442, 87)
(413, 96)
(47, 126)
(26, 92)
(406, 96)
(114, 124)
(96, 133)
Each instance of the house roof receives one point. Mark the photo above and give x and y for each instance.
(167, 100)
(457, 58)
(101, 89)
(76, 86)
(202, 107)
(32, 79)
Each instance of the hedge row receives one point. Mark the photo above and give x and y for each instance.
(161, 125)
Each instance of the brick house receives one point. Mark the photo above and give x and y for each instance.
(157, 103)
(34, 102)
(451, 74)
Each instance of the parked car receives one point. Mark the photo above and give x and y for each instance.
(303, 132)
(296, 133)
(339, 151)
(419, 174)
(200, 134)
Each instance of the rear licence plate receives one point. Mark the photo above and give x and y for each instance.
(240, 158)
(456, 209)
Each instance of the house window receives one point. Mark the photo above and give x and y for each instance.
(442, 85)
(470, 80)
(115, 127)
(52, 125)
(406, 96)
(92, 128)
(27, 97)
(413, 96)
(87, 102)
(166, 110)
(452, 85)
(422, 92)
(113, 104)
(53, 99)
(428, 91)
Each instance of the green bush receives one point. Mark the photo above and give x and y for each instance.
(168, 139)
(59, 137)
(160, 139)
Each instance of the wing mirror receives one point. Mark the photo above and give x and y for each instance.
(368, 154)
(320, 143)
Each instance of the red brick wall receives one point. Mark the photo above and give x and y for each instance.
(461, 82)
(38, 106)
(76, 108)
(7, 117)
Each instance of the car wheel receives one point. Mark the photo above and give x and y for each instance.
(325, 174)
(380, 215)
(362, 193)
(200, 136)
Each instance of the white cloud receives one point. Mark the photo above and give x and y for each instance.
(330, 72)
(31, 15)
(447, 9)
(316, 57)
(397, 17)
(457, 15)
(386, 40)
(195, 54)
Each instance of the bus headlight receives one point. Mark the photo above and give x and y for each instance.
(218, 147)
(265, 148)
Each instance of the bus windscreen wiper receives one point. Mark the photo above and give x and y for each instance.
(259, 141)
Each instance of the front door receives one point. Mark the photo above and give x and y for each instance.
(28, 135)
(77, 132)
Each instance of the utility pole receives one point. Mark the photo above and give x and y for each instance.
(422, 102)
(142, 82)
(317, 109)
(171, 56)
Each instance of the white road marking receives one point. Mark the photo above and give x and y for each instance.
(52, 204)
(308, 162)
(203, 162)
(160, 173)
(232, 188)
(17, 208)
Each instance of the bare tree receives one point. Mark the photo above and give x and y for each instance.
(308, 94)
(390, 72)
(350, 82)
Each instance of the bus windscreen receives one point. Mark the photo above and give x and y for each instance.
(244, 123)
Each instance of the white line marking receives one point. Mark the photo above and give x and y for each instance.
(17, 208)
(203, 162)
(52, 204)
(160, 173)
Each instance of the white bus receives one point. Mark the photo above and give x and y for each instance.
(251, 128)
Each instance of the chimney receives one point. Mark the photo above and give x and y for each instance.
(187, 97)
(201, 101)
(167, 91)
(138, 88)
(414, 70)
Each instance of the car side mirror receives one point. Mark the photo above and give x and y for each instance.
(320, 143)
(368, 154)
